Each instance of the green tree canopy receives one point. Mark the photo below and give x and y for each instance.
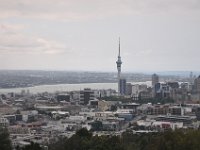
(5, 143)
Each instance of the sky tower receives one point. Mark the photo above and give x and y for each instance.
(119, 63)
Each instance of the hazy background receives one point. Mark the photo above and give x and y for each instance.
(156, 35)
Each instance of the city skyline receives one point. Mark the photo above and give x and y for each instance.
(83, 35)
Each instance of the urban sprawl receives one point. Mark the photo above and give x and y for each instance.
(44, 117)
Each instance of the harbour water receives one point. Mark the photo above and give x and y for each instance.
(67, 87)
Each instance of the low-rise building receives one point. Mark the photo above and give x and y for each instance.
(4, 122)
(17, 129)
(158, 109)
(176, 110)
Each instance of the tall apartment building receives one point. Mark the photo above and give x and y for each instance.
(86, 95)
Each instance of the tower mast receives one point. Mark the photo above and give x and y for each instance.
(119, 63)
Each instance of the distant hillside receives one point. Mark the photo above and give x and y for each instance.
(26, 78)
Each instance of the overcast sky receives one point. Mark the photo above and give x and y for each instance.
(156, 35)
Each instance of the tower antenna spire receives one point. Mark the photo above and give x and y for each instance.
(119, 46)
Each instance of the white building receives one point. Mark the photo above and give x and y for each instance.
(4, 122)
(136, 89)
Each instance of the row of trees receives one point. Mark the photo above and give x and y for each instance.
(141, 101)
(83, 140)
(155, 100)
(5, 143)
(170, 140)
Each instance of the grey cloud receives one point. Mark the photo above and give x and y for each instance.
(87, 9)
(149, 40)
(13, 41)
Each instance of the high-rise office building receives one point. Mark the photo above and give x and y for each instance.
(122, 85)
(197, 84)
(191, 78)
(86, 95)
(162, 90)
(128, 88)
(119, 63)
(155, 80)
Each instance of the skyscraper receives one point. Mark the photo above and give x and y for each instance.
(191, 78)
(119, 63)
(197, 84)
(122, 86)
(86, 95)
(155, 80)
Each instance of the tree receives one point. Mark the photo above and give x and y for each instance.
(5, 143)
(84, 133)
(97, 126)
(113, 108)
(32, 146)
(169, 140)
